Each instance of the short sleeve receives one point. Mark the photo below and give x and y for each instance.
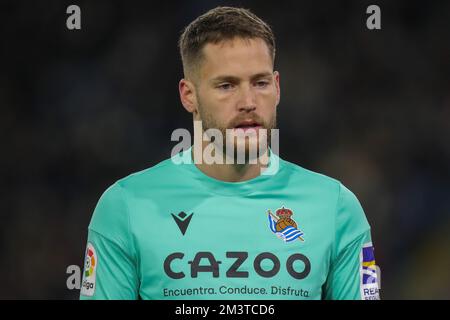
(110, 270)
(353, 273)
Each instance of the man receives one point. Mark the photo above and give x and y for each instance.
(192, 228)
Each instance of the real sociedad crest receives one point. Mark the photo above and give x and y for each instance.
(284, 226)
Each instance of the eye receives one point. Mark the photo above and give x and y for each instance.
(225, 86)
(262, 83)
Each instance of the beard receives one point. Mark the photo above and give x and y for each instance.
(238, 144)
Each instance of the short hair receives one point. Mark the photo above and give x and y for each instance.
(216, 25)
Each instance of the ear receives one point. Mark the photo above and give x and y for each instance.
(276, 77)
(187, 95)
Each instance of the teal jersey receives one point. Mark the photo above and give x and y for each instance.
(172, 232)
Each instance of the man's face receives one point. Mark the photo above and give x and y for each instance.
(236, 87)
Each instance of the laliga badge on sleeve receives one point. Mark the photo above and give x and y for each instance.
(90, 267)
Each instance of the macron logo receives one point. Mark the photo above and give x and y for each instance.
(182, 221)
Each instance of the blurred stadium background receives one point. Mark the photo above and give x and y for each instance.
(81, 109)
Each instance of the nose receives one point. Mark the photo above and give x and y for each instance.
(247, 101)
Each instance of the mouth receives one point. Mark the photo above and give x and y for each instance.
(248, 125)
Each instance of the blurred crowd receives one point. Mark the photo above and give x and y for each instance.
(81, 109)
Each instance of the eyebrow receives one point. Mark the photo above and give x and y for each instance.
(228, 78)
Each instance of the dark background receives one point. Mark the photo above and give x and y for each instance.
(81, 109)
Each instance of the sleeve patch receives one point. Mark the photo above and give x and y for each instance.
(369, 273)
(89, 273)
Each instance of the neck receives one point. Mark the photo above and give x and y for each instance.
(229, 172)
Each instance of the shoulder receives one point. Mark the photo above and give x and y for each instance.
(328, 188)
(113, 202)
(153, 176)
(350, 221)
(314, 180)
